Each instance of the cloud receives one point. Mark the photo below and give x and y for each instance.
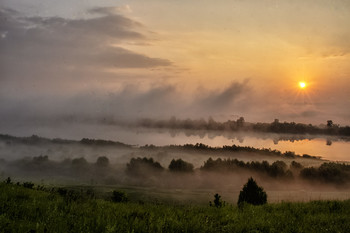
(110, 10)
(157, 101)
(226, 97)
(36, 46)
(131, 102)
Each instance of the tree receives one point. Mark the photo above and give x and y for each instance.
(329, 123)
(79, 162)
(102, 161)
(143, 166)
(240, 122)
(80, 165)
(252, 194)
(277, 169)
(8, 180)
(296, 166)
(119, 196)
(217, 201)
(180, 166)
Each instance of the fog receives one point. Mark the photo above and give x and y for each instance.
(167, 75)
(104, 164)
(326, 146)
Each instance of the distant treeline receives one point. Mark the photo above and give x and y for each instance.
(144, 168)
(330, 172)
(147, 166)
(37, 140)
(200, 147)
(241, 125)
(68, 167)
(276, 169)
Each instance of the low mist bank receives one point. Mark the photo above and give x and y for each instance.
(12, 148)
(240, 124)
(179, 168)
(226, 176)
(329, 127)
(146, 171)
(88, 126)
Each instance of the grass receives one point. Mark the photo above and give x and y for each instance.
(30, 210)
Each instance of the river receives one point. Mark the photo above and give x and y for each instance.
(329, 148)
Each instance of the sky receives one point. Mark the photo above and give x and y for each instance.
(89, 59)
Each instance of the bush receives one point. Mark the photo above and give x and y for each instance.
(79, 162)
(180, 166)
(8, 180)
(217, 201)
(119, 196)
(102, 161)
(277, 169)
(143, 166)
(252, 194)
(295, 166)
(328, 172)
(29, 185)
(41, 159)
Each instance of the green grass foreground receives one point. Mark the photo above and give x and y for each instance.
(29, 210)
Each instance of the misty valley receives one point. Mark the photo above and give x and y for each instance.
(174, 116)
(182, 173)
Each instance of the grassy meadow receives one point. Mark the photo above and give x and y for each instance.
(38, 209)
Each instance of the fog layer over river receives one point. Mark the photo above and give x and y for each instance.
(327, 147)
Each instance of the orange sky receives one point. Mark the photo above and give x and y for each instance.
(250, 55)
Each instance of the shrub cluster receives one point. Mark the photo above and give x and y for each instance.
(180, 166)
(119, 196)
(142, 166)
(232, 148)
(328, 172)
(252, 194)
(241, 125)
(276, 169)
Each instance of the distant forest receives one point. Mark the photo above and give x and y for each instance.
(146, 170)
(328, 172)
(329, 128)
(199, 147)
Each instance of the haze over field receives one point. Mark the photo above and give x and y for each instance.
(264, 83)
(131, 59)
(175, 116)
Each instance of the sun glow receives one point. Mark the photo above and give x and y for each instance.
(302, 85)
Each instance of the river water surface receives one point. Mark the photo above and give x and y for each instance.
(329, 148)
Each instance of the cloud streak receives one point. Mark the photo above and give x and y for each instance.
(131, 102)
(35, 44)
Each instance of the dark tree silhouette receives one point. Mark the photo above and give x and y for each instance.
(295, 166)
(180, 166)
(28, 185)
(102, 161)
(330, 123)
(79, 162)
(41, 159)
(8, 180)
(143, 166)
(217, 201)
(119, 196)
(252, 194)
(331, 172)
(80, 166)
(240, 122)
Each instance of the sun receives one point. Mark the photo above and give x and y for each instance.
(302, 85)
